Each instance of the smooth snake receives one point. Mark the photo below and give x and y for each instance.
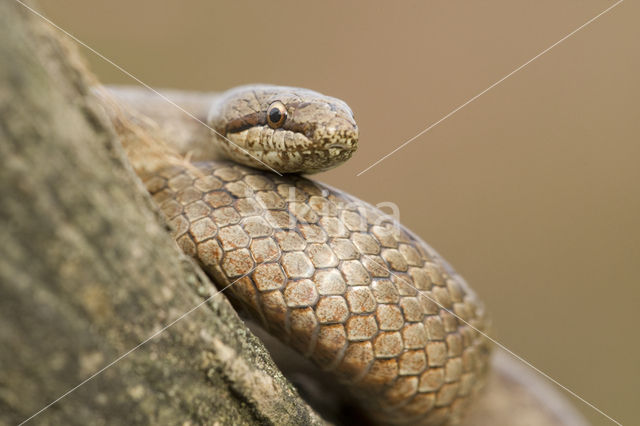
(328, 274)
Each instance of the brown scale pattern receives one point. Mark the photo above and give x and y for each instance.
(327, 274)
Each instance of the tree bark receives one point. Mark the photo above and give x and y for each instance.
(87, 271)
(89, 279)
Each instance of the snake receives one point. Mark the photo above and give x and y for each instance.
(365, 299)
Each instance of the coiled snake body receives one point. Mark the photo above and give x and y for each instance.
(328, 274)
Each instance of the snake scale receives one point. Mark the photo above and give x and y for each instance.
(328, 274)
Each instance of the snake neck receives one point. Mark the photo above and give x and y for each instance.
(146, 143)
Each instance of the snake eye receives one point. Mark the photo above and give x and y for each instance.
(276, 115)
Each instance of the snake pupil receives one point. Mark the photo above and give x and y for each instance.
(274, 115)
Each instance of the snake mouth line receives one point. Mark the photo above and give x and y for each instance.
(330, 150)
(297, 142)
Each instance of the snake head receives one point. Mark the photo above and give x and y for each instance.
(286, 129)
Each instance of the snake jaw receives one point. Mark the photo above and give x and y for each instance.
(286, 151)
(318, 134)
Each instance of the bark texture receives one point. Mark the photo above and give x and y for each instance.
(88, 272)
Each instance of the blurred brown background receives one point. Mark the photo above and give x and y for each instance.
(532, 191)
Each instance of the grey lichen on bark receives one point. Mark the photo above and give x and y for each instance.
(88, 271)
